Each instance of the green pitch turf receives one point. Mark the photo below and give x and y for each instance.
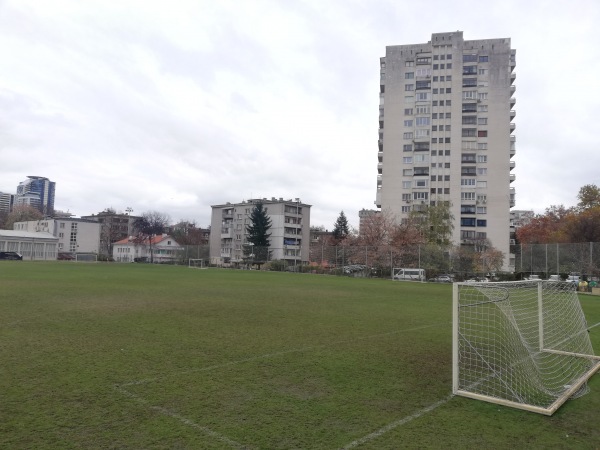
(158, 357)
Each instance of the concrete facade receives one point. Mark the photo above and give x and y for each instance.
(445, 134)
(74, 235)
(290, 230)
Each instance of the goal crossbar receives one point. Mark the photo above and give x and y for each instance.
(528, 349)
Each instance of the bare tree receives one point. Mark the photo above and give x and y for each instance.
(149, 225)
(22, 213)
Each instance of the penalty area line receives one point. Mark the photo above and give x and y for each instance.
(180, 418)
(397, 423)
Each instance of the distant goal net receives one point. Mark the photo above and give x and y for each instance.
(523, 344)
(86, 257)
(197, 263)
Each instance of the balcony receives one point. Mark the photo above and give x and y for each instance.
(226, 232)
(513, 164)
(512, 177)
(512, 127)
(513, 113)
(513, 77)
(513, 101)
(513, 88)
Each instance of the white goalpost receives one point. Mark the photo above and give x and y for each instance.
(196, 263)
(86, 257)
(523, 344)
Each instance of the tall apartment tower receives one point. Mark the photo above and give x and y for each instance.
(445, 134)
(37, 192)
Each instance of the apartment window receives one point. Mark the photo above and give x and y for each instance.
(483, 58)
(423, 60)
(421, 146)
(481, 235)
(482, 171)
(468, 132)
(447, 152)
(482, 133)
(482, 96)
(409, 63)
(481, 223)
(423, 121)
(62, 225)
(420, 195)
(482, 121)
(482, 146)
(433, 177)
(482, 108)
(406, 197)
(482, 210)
(434, 116)
(421, 171)
(421, 183)
(436, 67)
(435, 90)
(446, 177)
(407, 148)
(435, 57)
(467, 158)
(407, 135)
(467, 209)
(435, 79)
(423, 109)
(469, 120)
(469, 70)
(422, 132)
(449, 66)
(468, 171)
(434, 103)
(406, 185)
(448, 77)
(482, 198)
(469, 58)
(446, 128)
(449, 56)
(483, 72)
(442, 66)
(434, 128)
(469, 95)
(448, 102)
(467, 222)
(482, 184)
(423, 96)
(406, 209)
(446, 140)
(467, 235)
(409, 75)
(409, 87)
(447, 165)
(434, 140)
(408, 123)
(420, 158)
(407, 172)
(481, 158)
(423, 72)
(60, 235)
(467, 182)
(407, 160)
(408, 111)
(409, 99)
(448, 90)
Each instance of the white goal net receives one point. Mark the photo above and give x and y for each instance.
(197, 263)
(86, 257)
(523, 344)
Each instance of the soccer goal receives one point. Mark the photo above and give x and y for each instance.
(523, 344)
(86, 257)
(195, 263)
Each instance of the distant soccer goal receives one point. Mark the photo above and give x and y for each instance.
(195, 263)
(86, 257)
(523, 344)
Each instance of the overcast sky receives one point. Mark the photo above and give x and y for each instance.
(177, 106)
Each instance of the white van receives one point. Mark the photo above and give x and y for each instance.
(408, 274)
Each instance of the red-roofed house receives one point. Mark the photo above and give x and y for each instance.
(164, 249)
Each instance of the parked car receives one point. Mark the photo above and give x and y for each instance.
(554, 278)
(442, 279)
(11, 256)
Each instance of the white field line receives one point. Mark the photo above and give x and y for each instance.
(166, 412)
(271, 355)
(233, 444)
(397, 423)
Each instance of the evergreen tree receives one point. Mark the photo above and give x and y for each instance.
(258, 233)
(340, 228)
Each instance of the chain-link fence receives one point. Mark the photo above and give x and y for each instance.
(540, 259)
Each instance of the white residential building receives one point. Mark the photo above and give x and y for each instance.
(74, 235)
(290, 230)
(131, 249)
(445, 134)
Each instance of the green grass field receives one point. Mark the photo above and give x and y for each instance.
(161, 357)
